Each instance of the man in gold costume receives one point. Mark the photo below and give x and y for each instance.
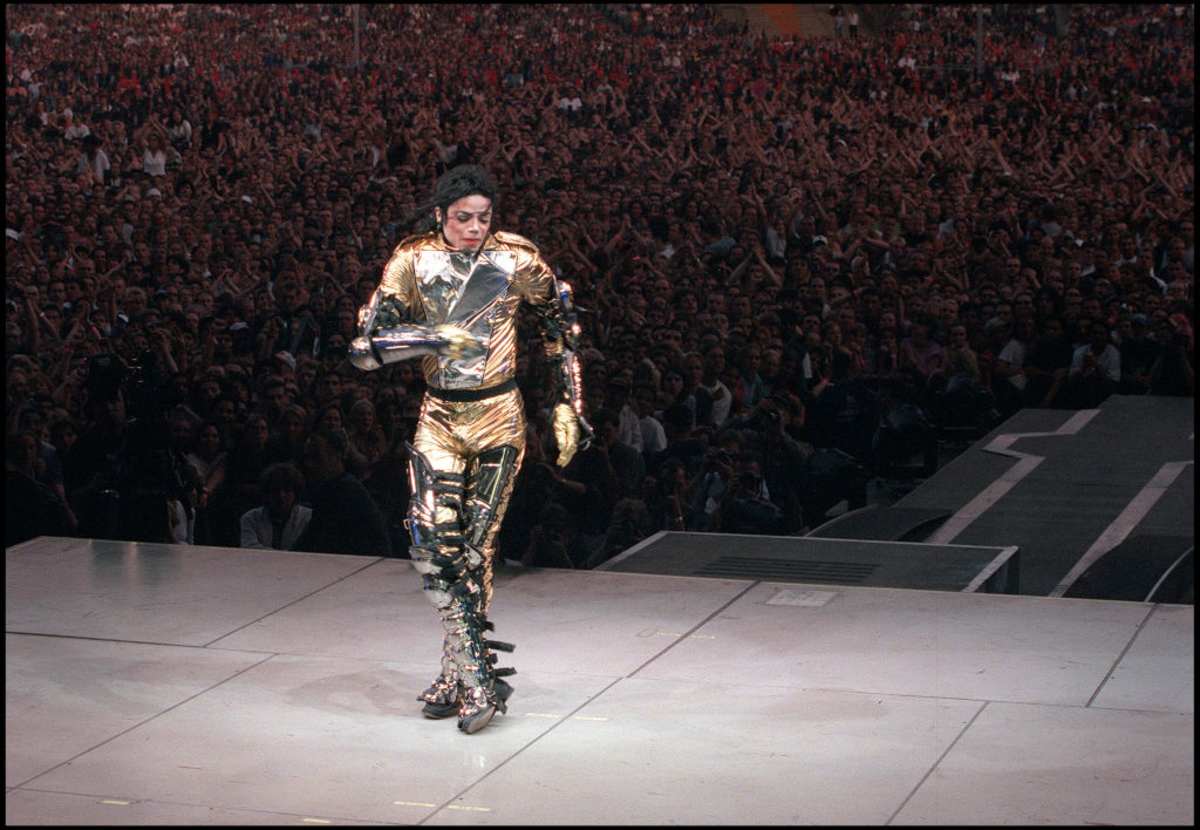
(451, 297)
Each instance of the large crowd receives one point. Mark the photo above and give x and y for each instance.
(783, 252)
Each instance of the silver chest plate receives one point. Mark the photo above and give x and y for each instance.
(469, 296)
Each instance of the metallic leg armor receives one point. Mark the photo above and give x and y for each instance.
(460, 494)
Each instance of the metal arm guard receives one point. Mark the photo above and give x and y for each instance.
(562, 325)
(387, 336)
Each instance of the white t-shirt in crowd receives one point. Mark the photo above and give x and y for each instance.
(154, 163)
(654, 437)
(629, 428)
(100, 164)
(722, 401)
(1013, 354)
(181, 131)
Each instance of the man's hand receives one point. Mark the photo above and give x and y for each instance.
(459, 344)
(571, 433)
(361, 355)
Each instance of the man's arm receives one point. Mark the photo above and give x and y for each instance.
(386, 327)
(552, 300)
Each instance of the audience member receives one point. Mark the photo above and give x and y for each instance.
(281, 520)
(344, 518)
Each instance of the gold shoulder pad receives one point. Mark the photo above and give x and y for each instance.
(516, 240)
(414, 241)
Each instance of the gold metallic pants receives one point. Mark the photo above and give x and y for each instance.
(464, 463)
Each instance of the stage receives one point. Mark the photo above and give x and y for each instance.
(156, 684)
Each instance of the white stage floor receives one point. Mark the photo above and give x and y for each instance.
(155, 684)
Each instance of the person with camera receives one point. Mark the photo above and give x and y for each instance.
(711, 485)
(746, 506)
(770, 424)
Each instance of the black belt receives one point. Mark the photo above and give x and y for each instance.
(469, 395)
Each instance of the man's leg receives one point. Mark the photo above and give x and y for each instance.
(453, 576)
(490, 481)
(431, 497)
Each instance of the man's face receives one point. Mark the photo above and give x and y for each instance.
(751, 359)
(770, 362)
(330, 386)
(225, 411)
(467, 222)
(714, 361)
(644, 400)
(181, 432)
(318, 458)
(277, 398)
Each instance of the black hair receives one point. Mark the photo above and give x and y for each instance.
(454, 184)
(281, 476)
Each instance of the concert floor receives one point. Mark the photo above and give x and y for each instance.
(157, 684)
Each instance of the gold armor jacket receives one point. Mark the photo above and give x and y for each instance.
(457, 310)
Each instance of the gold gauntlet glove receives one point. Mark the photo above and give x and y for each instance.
(566, 433)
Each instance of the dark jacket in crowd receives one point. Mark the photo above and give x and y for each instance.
(344, 520)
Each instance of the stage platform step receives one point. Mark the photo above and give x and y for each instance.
(158, 684)
(1140, 569)
(883, 524)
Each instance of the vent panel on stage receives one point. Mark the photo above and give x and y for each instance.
(823, 560)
